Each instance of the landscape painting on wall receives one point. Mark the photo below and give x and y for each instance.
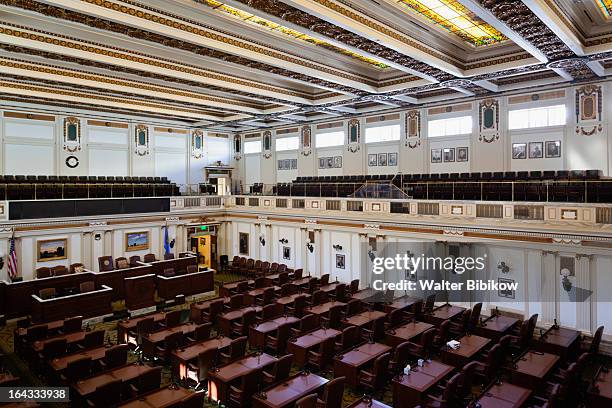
(136, 241)
(52, 250)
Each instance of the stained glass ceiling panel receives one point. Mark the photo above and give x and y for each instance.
(606, 7)
(454, 17)
(267, 24)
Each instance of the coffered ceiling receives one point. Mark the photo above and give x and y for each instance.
(242, 64)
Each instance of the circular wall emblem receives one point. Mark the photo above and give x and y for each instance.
(72, 161)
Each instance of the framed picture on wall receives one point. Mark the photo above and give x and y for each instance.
(462, 154)
(136, 241)
(340, 261)
(52, 249)
(321, 162)
(519, 151)
(372, 160)
(449, 154)
(436, 155)
(536, 150)
(243, 243)
(337, 162)
(505, 293)
(382, 159)
(392, 158)
(330, 162)
(293, 164)
(553, 149)
(286, 252)
(280, 164)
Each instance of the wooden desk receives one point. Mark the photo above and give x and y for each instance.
(229, 374)
(363, 319)
(530, 368)
(329, 288)
(115, 278)
(178, 264)
(443, 313)
(504, 395)
(88, 304)
(365, 403)
(188, 284)
(467, 351)
(365, 295)
(285, 394)
(226, 319)
(289, 299)
(560, 341)
(125, 326)
(139, 291)
(350, 363)
(258, 333)
(86, 387)
(403, 303)
(198, 308)
(406, 332)
(323, 308)
(71, 339)
(300, 347)
(226, 289)
(496, 326)
(181, 357)
(19, 335)
(600, 392)
(152, 339)
(59, 364)
(163, 397)
(8, 379)
(409, 390)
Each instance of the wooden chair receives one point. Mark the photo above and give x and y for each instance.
(115, 356)
(376, 379)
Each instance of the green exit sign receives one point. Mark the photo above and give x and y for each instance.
(203, 227)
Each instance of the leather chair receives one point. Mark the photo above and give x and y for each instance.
(278, 342)
(169, 272)
(401, 356)
(107, 395)
(201, 333)
(53, 349)
(332, 393)
(241, 396)
(194, 400)
(143, 327)
(395, 318)
(43, 272)
(88, 286)
(134, 260)
(376, 331)
(350, 337)
(269, 311)
(376, 379)
(464, 386)
(191, 269)
(75, 370)
(422, 349)
(299, 306)
(457, 329)
(474, 317)
(447, 397)
(105, 263)
(148, 258)
(115, 356)
(171, 342)
(324, 280)
(59, 270)
(148, 381)
(92, 340)
(307, 324)
(323, 356)
(340, 293)
(429, 304)
(266, 298)
(198, 370)
(486, 369)
(592, 346)
(173, 319)
(237, 348)
(122, 263)
(236, 302)
(242, 328)
(46, 293)
(297, 274)
(442, 334)
(318, 297)
(168, 257)
(72, 324)
(280, 370)
(353, 307)
(334, 317)
(214, 310)
(309, 401)
(354, 287)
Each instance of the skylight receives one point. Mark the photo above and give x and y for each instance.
(606, 7)
(454, 17)
(267, 24)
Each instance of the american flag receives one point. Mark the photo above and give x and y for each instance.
(12, 260)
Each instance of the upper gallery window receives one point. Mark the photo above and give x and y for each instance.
(536, 117)
(382, 133)
(329, 139)
(450, 126)
(252, 146)
(287, 143)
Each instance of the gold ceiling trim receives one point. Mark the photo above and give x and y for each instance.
(59, 91)
(217, 37)
(125, 55)
(54, 70)
(605, 6)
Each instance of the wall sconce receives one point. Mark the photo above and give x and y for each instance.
(337, 247)
(283, 241)
(262, 240)
(567, 284)
(372, 255)
(309, 246)
(97, 237)
(503, 267)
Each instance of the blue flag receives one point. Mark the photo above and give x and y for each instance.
(166, 241)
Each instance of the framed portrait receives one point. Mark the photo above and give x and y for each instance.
(286, 252)
(519, 151)
(382, 159)
(392, 159)
(340, 261)
(463, 154)
(321, 162)
(553, 149)
(337, 162)
(136, 241)
(567, 264)
(243, 243)
(280, 164)
(330, 162)
(52, 249)
(536, 150)
(505, 293)
(293, 164)
(436, 155)
(449, 154)
(372, 162)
